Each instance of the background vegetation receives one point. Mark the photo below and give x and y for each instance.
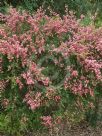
(79, 6)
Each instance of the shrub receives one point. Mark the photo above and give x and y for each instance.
(48, 65)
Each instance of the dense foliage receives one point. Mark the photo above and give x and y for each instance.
(47, 65)
(78, 6)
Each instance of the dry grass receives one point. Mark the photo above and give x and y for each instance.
(83, 129)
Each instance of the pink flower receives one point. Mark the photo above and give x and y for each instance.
(74, 73)
(19, 83)
(57, 98)
(33, 100)
(47, 121)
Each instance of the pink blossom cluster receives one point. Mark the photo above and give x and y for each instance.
(79, 85)
(47, 121)
(50, 122)
(33, 100)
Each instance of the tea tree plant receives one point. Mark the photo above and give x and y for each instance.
(47, 65)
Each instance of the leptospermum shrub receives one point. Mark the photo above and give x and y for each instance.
(47, 64)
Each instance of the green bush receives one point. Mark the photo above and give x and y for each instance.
(79, 6)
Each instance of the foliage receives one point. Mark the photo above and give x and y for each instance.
(79, 6)
(47, 65)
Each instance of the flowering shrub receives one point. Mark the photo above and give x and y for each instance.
(47, 63)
